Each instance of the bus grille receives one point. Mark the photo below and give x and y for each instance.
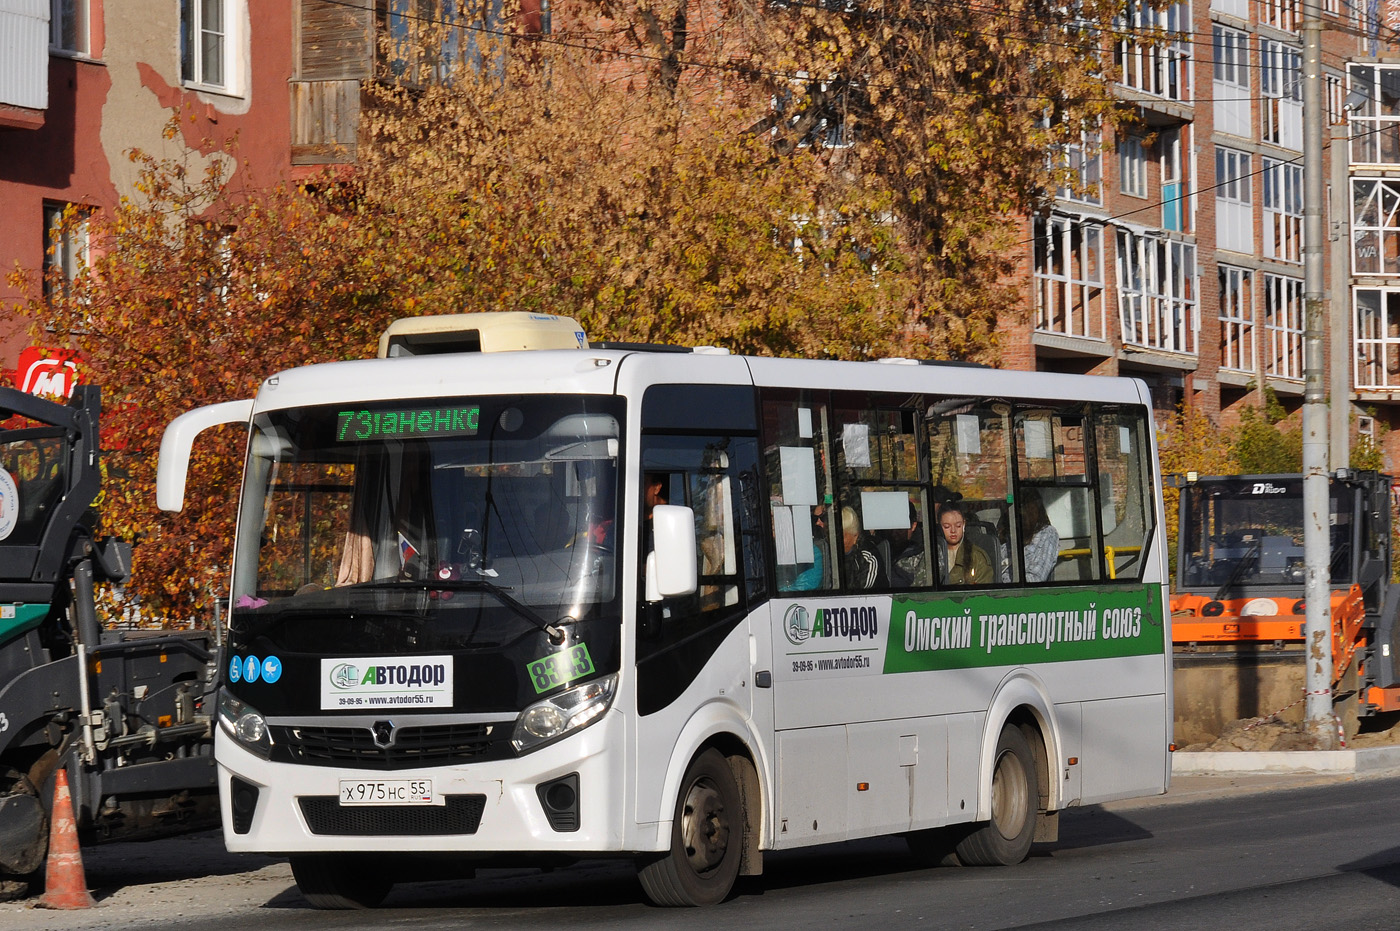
(325, 815)
(433, 745)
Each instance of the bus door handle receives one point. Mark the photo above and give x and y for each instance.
(763, 679)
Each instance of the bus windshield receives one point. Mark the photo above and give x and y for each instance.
(429, 507)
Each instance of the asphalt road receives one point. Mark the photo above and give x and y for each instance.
(1232, 854)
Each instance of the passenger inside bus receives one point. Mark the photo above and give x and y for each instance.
(1042, 548)
(808, 577)
(965, 562)
(861, 560)
(910, 565)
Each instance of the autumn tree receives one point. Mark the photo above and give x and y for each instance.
(951, 121)
(193, 296)
(658, 171)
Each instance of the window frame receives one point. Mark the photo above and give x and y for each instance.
(232, 46)
(78, 13)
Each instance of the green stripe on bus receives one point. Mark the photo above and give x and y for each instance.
(948, 632)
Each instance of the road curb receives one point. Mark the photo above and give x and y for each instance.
(1254, 762)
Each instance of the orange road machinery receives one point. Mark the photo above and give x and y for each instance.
(1240, 577)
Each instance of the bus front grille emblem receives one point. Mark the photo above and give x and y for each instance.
(383, 733)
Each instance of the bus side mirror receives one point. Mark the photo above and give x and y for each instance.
(671, 565)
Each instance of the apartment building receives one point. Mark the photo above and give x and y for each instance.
(1181, 262)
(1178, 260)
(84, 82)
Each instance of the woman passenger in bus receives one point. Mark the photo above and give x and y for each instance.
(966, 562)
(1042, 550)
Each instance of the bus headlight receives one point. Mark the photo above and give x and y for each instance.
(561, 714)
(244, 724)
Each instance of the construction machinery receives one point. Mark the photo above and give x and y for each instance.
(1238, 608)
(121, 711)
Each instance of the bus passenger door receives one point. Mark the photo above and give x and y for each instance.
(695, 653)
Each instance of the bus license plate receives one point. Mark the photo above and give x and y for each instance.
(387, 792)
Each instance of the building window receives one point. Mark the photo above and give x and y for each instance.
(1081, 167)
(1281, 14)
(1177, 214)
(1280, 75)
(1283, 211)
(815, 113)
(1157, 292)
(1333, 95)
(1375, 226)
(65, 246)
(1238, 8)
(1234, 215)
(1283, 326)
(422, 42)
(204, 42)
(1132, 167)
(1069, 289)
(1377, 346)
(1375, 125)
(1231, 81)
(1237, 345)
(1160, 67)
(68, 26)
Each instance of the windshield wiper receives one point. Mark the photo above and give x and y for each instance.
(553, 631)
(1235, 576)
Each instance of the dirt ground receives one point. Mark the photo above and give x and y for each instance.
(1271, 733)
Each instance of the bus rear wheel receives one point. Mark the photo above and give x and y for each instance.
(1006, 839)
(707, 835)
(340, 881)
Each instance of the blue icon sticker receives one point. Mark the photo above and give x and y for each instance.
(251, 669)
(235, 669)
(271, 669)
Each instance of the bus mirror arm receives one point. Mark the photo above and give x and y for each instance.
(671, 565)
(177, 441)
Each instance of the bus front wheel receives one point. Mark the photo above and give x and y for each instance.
(707, 835)
(339, 881)
(1006, 839)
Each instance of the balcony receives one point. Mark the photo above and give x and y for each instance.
(325, 122)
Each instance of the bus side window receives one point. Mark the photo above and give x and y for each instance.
(796, 458)
(1060, 474)
(1125, 498)
(969, 460)
(877, 451)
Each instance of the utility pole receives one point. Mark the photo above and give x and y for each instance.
(1319, 722)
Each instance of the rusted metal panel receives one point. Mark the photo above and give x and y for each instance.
(325, 121)
(335, 40)
(24, 66)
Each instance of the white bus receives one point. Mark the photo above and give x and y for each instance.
(679, 606)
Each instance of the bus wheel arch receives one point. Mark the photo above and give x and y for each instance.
(1022, 700)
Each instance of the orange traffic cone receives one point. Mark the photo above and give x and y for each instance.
(65, 885)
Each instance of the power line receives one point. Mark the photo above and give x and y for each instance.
(748, 70)
(1105, 221)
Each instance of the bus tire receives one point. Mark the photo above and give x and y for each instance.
(1006, 839)
(340, 881)
(707, 839)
